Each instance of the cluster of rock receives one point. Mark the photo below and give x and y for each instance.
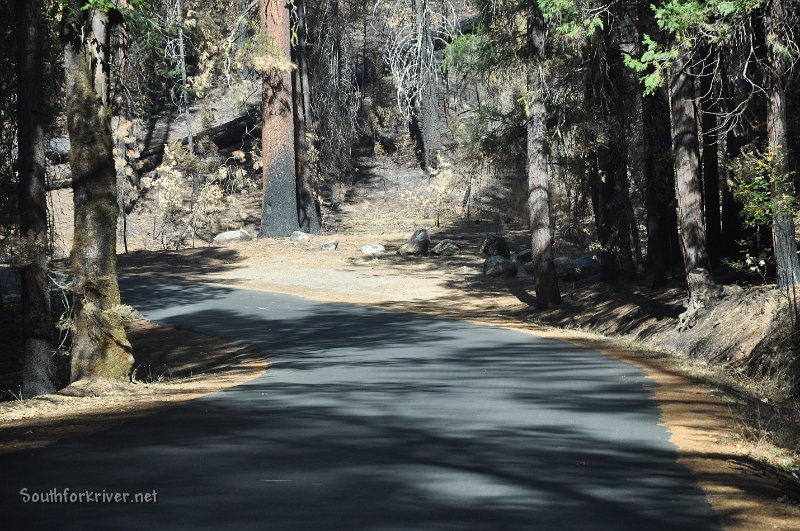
(419, 244)
(499, 263)
(498, 258)
(495, 248)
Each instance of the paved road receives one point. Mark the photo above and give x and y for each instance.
(371, 420)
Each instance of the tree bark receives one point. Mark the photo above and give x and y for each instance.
(428, 95)
(686, 158)
(279, 213)
(308, 217)
(783, 235)
(37, 328)
(711, 170)
(546, 283)
(100, 347)
(688, 188)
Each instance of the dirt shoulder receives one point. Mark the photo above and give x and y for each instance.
(744, 489)
(172, 366)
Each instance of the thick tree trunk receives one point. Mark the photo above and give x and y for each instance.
(308, 217)
(37, 328)
(783, 236)
(688, 187)
(711, 171)
(279, 214)
(100, 347)
(547, 291)
(686, 151)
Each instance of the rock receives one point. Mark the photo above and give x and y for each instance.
(497, 266)
(563, 265)
(373, 249)
(418, 244)
(495, 246)
(528, 267)
(446, 248)
(232, 236)
(330, 246)
(524, 257)
(586, 266)
(299, 236)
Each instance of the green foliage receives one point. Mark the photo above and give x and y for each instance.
(687, 24)
(655, 60)
(754, 175)
(569, 19)
(751, 264)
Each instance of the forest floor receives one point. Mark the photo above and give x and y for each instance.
(724, 432)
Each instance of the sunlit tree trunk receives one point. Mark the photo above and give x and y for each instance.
(37, 329)
(547, 292)
(688, 188)
(100, 347)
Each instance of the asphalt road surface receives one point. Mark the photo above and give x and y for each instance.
(372, 420)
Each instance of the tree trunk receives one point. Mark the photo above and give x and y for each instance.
(659, 186)
(688, 188)
(279, 214)
(100, 347)
(783, 236)
(428, 95)
(306, 205)
(547, 292)
(37, 328)
(711, 170)
(686, 151)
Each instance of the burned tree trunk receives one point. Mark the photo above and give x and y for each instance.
(279, 212)
(100, 347)
(37, 328)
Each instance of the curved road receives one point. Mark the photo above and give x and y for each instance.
(374, 420)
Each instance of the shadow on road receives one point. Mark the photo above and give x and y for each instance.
(371, 419)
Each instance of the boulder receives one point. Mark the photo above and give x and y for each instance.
(586, 266)
(446, 248)
(232, 236)
(418, 244)
(524, 257)
(299, 236)
(330, 246)
(563, 265)
(495, 246)
(497, 266)
(528, 267)
(373, 249)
